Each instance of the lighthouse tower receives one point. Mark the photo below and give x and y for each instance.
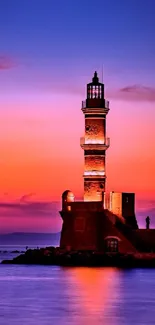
(95, 143)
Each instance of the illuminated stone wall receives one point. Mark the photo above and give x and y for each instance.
(94, 163)
(94, 129)
(92, 190)
(116, 203)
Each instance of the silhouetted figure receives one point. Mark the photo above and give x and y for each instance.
(147, 222)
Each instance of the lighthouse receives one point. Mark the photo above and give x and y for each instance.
(89, 224)
(95, 143)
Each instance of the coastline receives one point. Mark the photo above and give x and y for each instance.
(56, 256)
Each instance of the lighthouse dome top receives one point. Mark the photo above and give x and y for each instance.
(68, 196)
(95, 79)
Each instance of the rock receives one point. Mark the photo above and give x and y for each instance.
(57, 256)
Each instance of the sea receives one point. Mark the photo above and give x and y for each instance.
(53, 295)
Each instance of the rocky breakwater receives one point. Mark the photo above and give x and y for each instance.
(12, 252)
(56, 256)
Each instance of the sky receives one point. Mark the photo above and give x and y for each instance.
(49, 51)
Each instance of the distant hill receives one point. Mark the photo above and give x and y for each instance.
(28, 239)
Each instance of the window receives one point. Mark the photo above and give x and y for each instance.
(94, 91)
(111, 245)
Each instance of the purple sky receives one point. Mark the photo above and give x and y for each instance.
(49, 51)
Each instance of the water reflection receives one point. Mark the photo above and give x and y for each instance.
(31, 295)
(93, 291)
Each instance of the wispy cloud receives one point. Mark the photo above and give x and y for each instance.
(7, 62)
(30, 216)
(26, 197)
(134, 93)
(29, 208)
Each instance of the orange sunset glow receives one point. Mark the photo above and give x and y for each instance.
(41, 154)
(44, 70)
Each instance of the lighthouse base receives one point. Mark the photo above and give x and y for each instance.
(87, 226)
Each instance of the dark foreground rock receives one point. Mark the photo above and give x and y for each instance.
(56, 256)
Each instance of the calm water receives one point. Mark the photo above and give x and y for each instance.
(47, 295)
(6, 251)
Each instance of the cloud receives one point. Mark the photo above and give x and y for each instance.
(30, 216)
(135, 93)
(29, 208)
(6, 62)
(26, 197)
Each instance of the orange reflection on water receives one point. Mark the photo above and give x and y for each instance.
(94, 291)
